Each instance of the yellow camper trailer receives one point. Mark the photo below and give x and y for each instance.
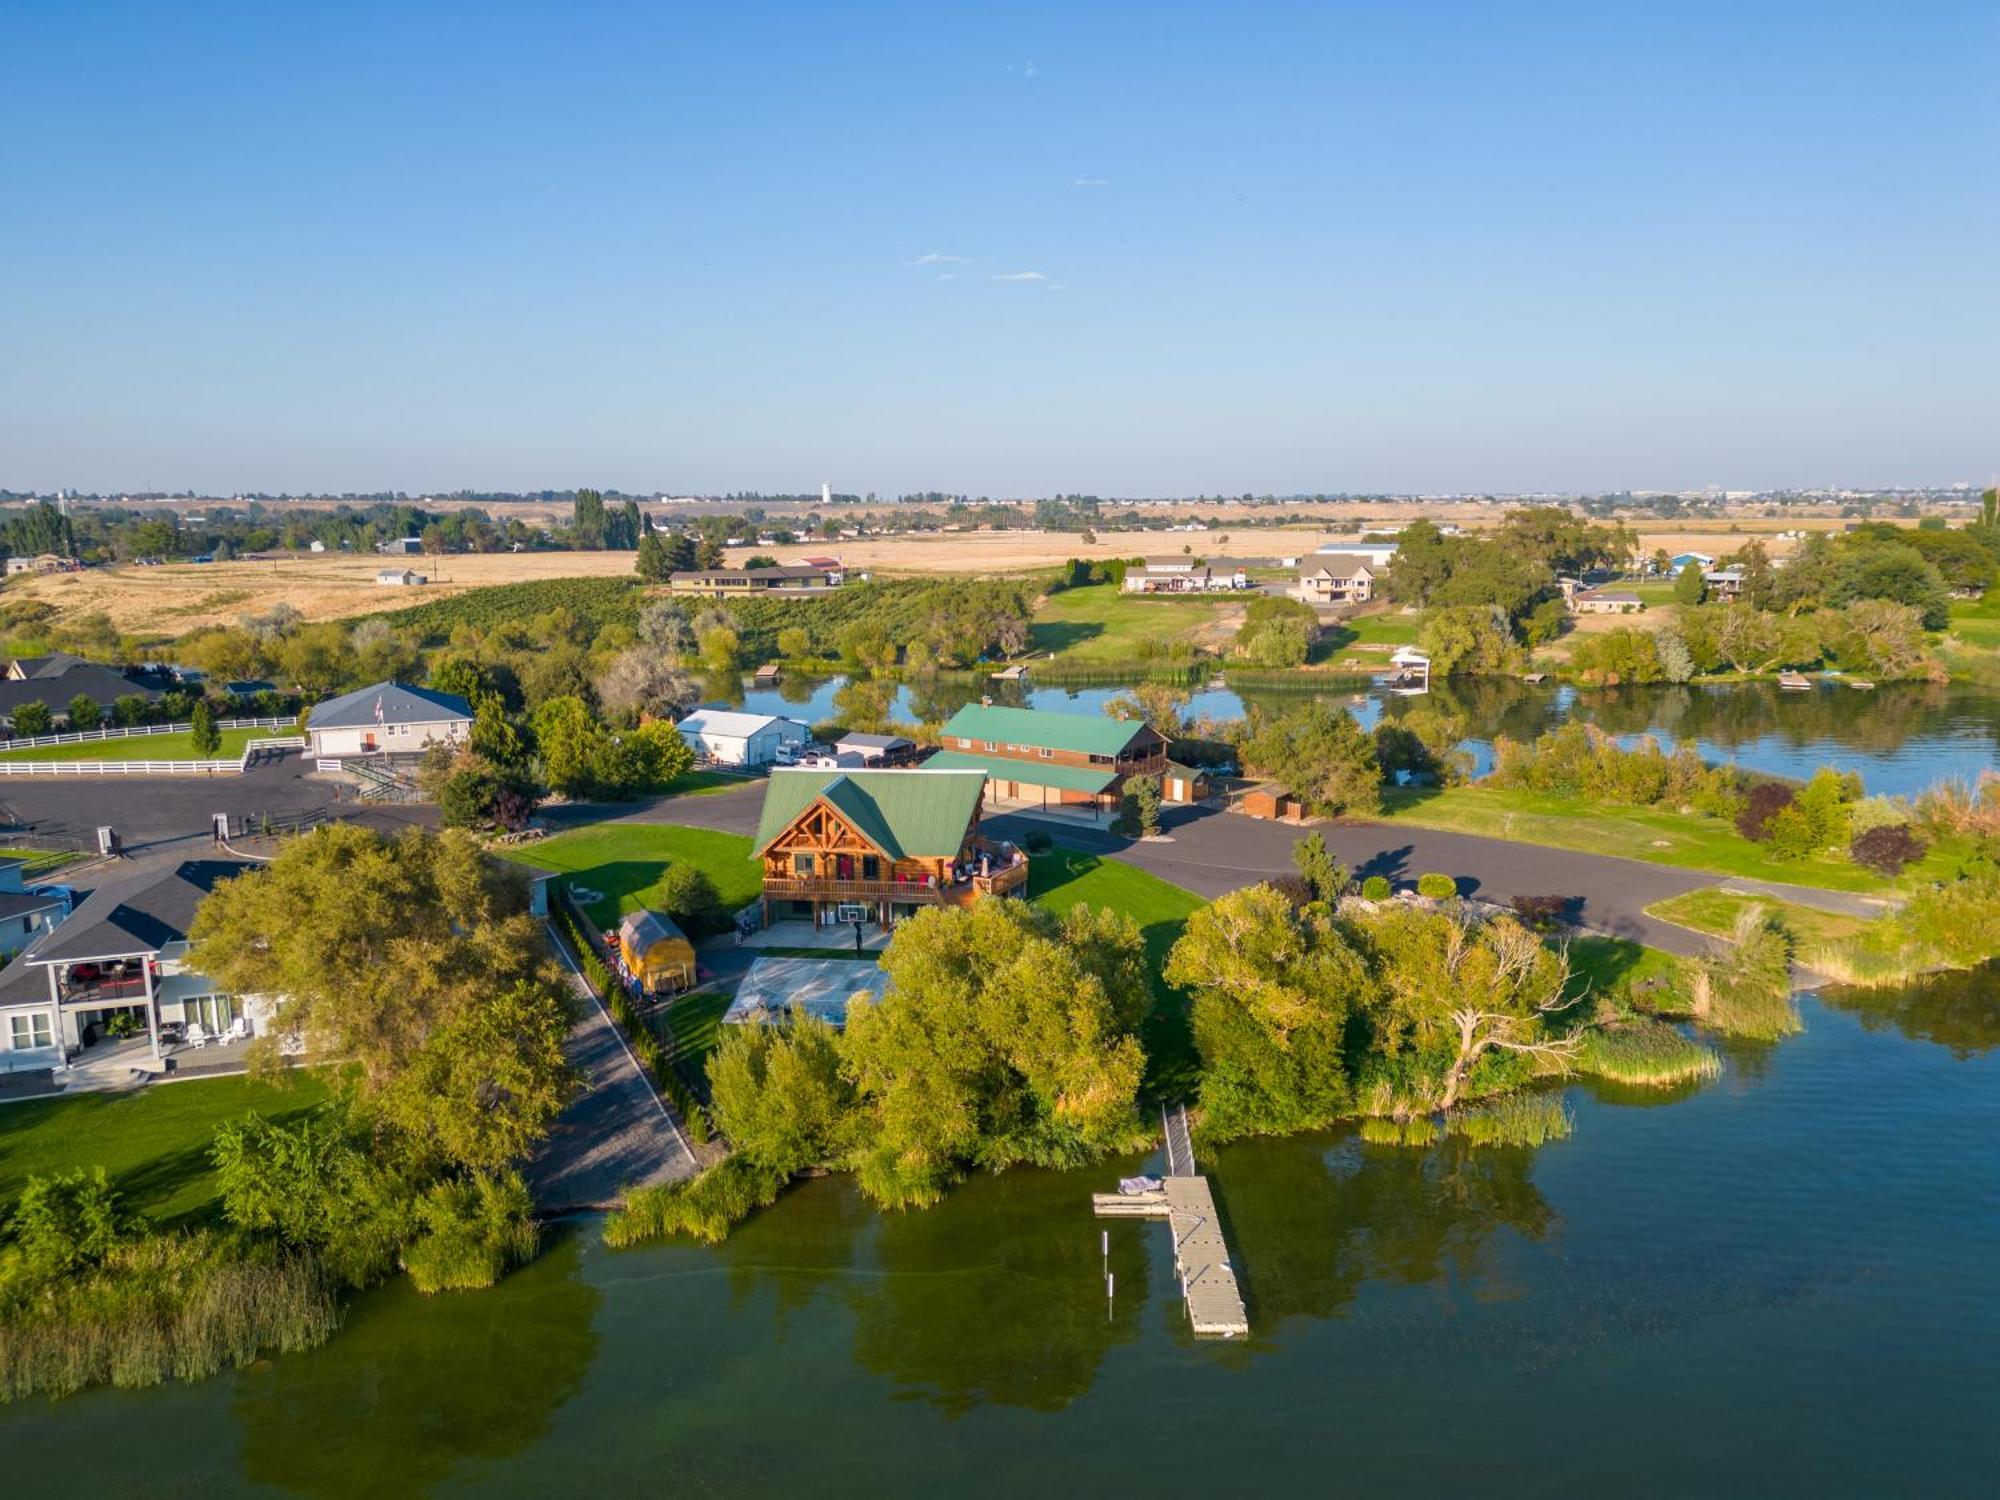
(656, 952)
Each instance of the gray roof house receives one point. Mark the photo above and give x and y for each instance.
(54, 682)
(387, 718)
(107, 987)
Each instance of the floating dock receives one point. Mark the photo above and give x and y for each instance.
(1201, 1255)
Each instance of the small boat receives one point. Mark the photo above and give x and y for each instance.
(1791, 682)
(1856, 682)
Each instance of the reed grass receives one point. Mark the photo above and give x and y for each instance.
(166, 1307)
(1525, 1119)
(1648, 1054)
(1382, 1130)
(1744, 988)
(703, 1208)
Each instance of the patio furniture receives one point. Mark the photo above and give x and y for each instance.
(239, 1029)
(197, 1035)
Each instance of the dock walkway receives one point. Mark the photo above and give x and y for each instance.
(1201, 1254)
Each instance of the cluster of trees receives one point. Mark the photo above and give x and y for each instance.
(416, 962)
(1335, 767)
(1303, 1015)
(1007, 1036)
(1877, 636)
(1582, 761)
(1277, 632)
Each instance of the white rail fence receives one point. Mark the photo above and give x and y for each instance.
(135, 731)
(154, 767)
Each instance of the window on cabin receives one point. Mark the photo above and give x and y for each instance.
(871, 867)
(967, 745)
(991, 746)
(802, 864)
(31, 1030)
(1046, 753)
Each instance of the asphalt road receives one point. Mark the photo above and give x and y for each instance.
(1212, 853)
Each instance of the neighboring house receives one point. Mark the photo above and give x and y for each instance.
(739, 739)
(1682, 559)
(833, 567)
(1336, 578)
(1033, 757)
(54, 684)
(402, 546)
(1168, 575)
(316, 545)
(1723, 583)
(388, 718)
(118, 962)
(719, 582)
(776, 989)
(878, 749)
(31, 668)
(877, 846)
(23, 912)
(400, 578)
(46, 562)
(1605, 602)
(1378, 555)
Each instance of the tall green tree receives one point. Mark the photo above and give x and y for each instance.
(202, 733)
(587, 524)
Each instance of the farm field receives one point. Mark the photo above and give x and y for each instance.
(624, 864)
(179, 746)
(152, 1143)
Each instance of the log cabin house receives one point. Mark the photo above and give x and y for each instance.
(1036, 758)
(878, 846)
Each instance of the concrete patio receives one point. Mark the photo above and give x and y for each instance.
(836, 939)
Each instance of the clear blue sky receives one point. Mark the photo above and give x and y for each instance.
(1262, 247)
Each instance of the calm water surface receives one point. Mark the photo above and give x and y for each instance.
(1902, 737)
(1782, 1282)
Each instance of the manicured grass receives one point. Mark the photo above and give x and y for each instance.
(1659, 836)
(696, 1023)
(1977, 621)
(146, 747)
(1102, 624)
(1715, 911)
(1065, 878)
(1614, 966)
(625, 863)
(153, 1143)
(703, 784)
(1389, 629)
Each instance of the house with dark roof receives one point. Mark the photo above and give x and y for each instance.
(390, 718)
(110, 983)
(1035, 758)
(841, 846)
(792, 578)
(55, 679)
(24, 911)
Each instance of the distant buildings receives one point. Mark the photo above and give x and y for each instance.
(1336, 578)
(401, 578)
(814, 576)
(740, 739)
(1605, 602)
(1180, 575)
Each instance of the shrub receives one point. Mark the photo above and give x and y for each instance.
(1294, 888)
(471, 1233)
(1887, 849)
(690, 898)
(1375, 888)
(1542, 912)
(1789, 834)
(1744, 987)
(705, 1208)
(1766, 800)
(1038, 842)
(1436, 887)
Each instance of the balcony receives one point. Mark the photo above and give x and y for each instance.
(813, 887)
(85, 984)
(1007, 871)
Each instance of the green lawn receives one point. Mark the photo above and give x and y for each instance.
(1977, 621)
(1716, 910)
(146, 747)
(1611, 966)
(1387, 630)
(1063, 879)
(153, 1142)
(1102, 624)
(625, 863)
(1657, 835)
(703, 784)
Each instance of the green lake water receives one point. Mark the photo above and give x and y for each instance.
(1782, 1282)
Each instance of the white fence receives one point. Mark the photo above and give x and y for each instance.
(153, 767)
(136, 731)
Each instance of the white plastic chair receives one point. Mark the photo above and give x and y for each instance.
(196, 1035)
(239, 1029)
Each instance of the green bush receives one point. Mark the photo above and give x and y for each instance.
(471, 1233)
(1436, 887)
(1375, 888)
(1038, 842)
(703, 1208)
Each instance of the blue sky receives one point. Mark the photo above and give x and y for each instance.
(1260, 247)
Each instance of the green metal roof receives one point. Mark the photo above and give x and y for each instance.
(906, 814)
(1086, 734)
(1032, 772)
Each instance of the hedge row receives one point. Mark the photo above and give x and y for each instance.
(645, 1046)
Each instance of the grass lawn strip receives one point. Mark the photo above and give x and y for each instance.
(1101, 624)
(178, 746)
(153, 1142)
(1715, 911)
(1658, 836)
(624, 863)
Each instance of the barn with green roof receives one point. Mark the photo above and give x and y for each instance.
(1035, 758)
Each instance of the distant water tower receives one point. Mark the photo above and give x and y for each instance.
(825, 493)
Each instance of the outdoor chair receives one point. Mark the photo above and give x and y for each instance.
(197, 1035)
(239, 1029)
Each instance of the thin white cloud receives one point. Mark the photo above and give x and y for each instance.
(1055, 286)
(1090, 182)
(947, 276)
(935, 259)
(1020, 276)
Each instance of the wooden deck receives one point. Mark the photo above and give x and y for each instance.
(1201, 1254)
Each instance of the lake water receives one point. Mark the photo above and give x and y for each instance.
(1901, 737)
(1781, 1282)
